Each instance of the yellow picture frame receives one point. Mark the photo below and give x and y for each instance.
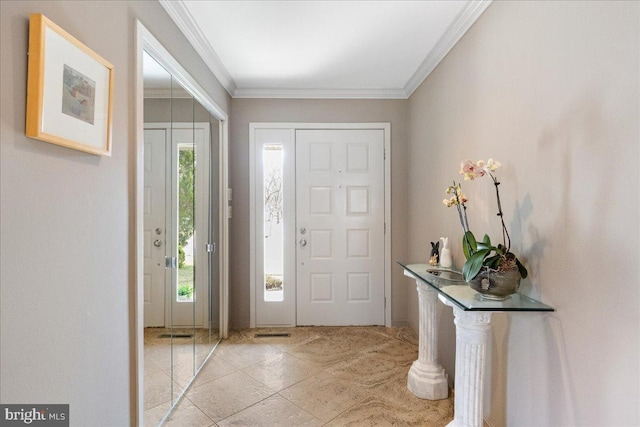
(69, 90)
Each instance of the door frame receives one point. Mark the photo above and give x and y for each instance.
(145, 41)
(386, 127)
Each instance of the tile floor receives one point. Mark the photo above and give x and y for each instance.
(319, 376)
(158, 361)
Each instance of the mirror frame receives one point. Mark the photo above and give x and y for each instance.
(145, 41)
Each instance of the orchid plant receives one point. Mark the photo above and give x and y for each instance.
(484, 253)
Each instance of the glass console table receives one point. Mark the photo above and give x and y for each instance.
(472, 313)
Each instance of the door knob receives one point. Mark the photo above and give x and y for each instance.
(157, 243)
(303, 242)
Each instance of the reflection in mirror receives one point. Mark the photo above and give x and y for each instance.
(181, 270)
(181, 181)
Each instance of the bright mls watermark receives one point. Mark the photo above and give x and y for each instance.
(34, 415)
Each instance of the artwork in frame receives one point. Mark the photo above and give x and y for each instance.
(69, 90)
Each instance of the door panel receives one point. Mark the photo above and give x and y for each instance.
(340, 207)
(154, 227)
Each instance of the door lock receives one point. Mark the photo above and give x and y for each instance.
(303, 230)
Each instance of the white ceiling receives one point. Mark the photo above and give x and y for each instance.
(323, 49)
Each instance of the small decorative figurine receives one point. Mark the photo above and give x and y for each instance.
(435, 255)
(445, 256)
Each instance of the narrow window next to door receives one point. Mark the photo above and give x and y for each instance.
(273, 222)
(186, 224)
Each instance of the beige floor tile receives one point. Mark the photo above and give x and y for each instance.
(395, 393)
(242, 336)
(244, 354)
(353, 376)
(150, 367)
(163, 355)
(405, 334)
(281, 371)
(157, 389)
(333, 345)
(378, 366)
(202, 352)
(153, 416)
(322, 350)
(159, 354)
(183, 372)
(374, 411)
(187, 414)
(215, 368)
(274, 411)
(225, 396)
(325, 395)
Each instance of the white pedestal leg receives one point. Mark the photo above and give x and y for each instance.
(472, 339)
(427, 378)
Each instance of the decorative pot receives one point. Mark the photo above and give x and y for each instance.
(496, 284)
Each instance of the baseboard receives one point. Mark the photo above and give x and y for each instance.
(400, 324)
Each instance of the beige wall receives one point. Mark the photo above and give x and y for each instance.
(245, 111)
(66, 221)
(551, 89)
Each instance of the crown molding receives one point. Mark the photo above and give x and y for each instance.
(465, 19)
(321, 93)
(185, 22)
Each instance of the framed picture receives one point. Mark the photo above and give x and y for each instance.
(69, 90)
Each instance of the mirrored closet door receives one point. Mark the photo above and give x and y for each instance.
(181, 236)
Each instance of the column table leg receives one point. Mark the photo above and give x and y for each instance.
(472, 339)
(427, 378)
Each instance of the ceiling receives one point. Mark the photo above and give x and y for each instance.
(323, 49)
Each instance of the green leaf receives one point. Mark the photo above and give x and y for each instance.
(523, 271)
(469, 245)
(485, 246)
(486, 243)
(473, 265)
(493, 261)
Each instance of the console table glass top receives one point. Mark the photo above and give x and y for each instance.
(449, 284)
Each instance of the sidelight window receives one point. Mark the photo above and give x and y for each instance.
(273, 222)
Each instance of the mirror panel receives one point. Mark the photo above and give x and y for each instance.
(181, 310)
(158, 384)
(180, 178)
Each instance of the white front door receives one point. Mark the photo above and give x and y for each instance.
(154, 226)
(340, 213)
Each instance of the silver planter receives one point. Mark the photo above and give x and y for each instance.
(496, 284)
